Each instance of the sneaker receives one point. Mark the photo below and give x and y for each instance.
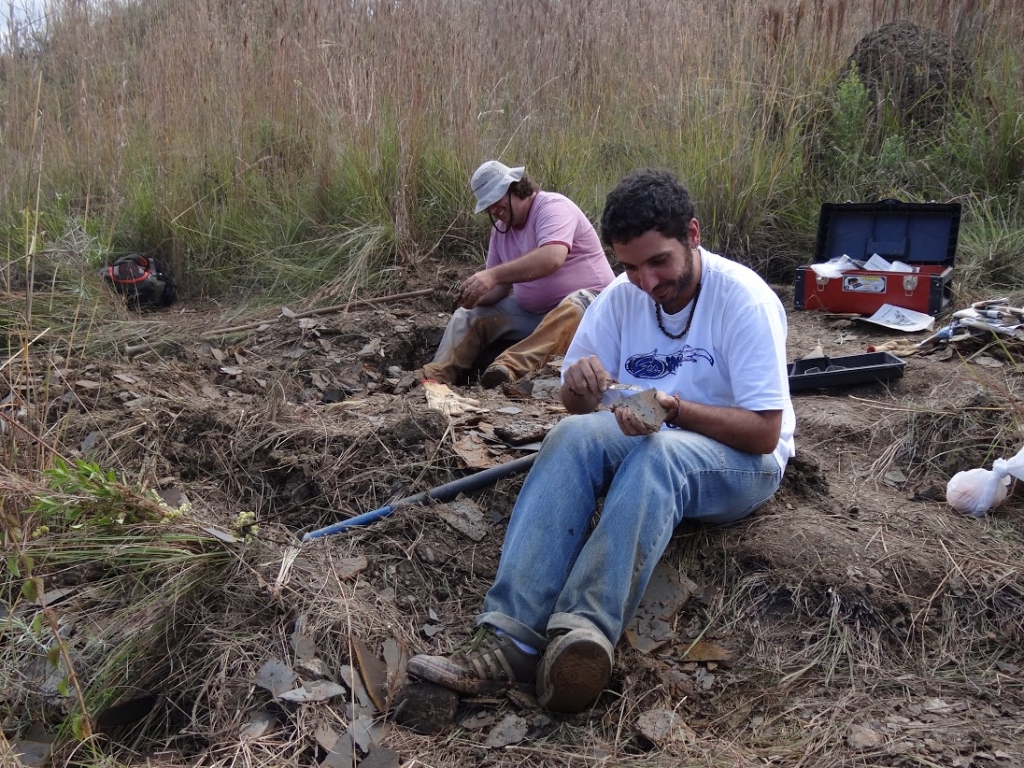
(488, 660)
(495, 376)
(575, 669)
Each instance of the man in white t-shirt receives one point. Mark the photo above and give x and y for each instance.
(545, 264)
(709, 335)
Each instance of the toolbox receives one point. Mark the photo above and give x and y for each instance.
(923, 235)
(846, 371)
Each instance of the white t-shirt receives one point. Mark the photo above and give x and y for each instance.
(734, 354)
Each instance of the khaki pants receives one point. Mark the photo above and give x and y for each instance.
(538, 337)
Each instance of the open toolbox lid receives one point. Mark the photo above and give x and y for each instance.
(915, 233)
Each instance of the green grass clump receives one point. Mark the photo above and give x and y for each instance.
(135, 570)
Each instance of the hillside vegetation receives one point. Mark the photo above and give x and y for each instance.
(311, 148)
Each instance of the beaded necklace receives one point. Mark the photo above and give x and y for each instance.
(686, 330)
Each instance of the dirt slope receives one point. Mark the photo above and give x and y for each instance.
(858, 619)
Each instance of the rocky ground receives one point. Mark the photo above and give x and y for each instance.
(854, 620)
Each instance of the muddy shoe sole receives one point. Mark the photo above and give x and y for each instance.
(441, 671)
(575, 669)
(456, 676)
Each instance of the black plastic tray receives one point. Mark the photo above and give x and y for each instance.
(844, 371)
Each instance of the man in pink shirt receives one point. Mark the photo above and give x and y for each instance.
(545, 264)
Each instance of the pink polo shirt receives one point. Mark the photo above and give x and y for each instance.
(553, 218)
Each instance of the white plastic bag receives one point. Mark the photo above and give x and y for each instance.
(976, 491)
(835, 267)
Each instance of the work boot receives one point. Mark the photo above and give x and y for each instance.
(575, 669)
(495, 376)
(489, 659)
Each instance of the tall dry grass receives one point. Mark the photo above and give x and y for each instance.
(248, 142)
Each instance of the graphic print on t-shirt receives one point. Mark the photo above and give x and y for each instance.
(651, 365)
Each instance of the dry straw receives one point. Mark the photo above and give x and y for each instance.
(233, 132)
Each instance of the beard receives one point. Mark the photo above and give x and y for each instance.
(673, 302)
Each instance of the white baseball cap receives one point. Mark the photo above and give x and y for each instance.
(491, 180)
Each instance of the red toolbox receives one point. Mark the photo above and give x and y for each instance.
(922, 235)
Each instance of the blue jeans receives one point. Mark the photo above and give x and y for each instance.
(556, 573)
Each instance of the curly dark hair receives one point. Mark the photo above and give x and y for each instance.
(522, 188)
(644, 200)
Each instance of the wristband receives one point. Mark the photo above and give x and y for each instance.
(674, 416)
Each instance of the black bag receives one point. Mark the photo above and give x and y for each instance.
(142, 280)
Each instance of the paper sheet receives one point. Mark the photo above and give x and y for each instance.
(900, 319)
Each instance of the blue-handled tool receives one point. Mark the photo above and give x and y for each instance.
(445, 492)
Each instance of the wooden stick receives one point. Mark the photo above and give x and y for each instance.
(321, 311)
